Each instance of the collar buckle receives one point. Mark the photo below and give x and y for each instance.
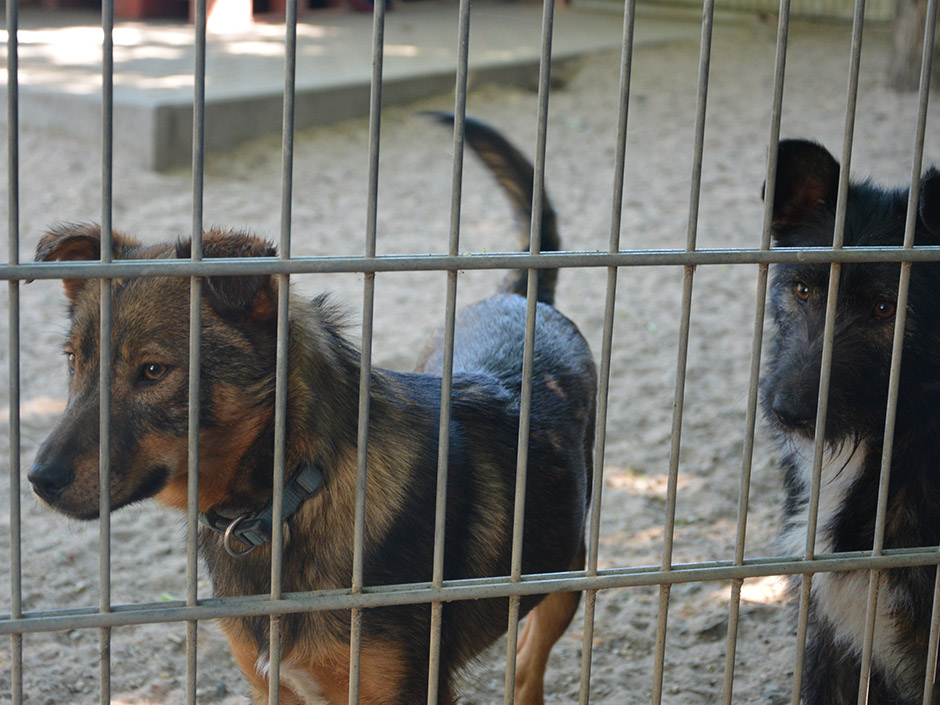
(255, 528)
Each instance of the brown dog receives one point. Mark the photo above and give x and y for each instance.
(148, 455)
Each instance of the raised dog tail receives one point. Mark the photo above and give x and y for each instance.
(515, 174)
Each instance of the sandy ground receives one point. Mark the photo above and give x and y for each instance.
(60, 182)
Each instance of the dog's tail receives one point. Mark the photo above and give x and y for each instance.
(515, 174)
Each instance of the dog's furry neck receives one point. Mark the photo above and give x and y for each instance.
(322, 428)
(323, 406)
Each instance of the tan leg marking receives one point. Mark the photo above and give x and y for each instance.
(246, 656)
(381, 672)
(544, 625)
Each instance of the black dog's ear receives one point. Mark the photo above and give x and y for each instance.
(252, 296)
(929, 202)
(807, 178)
(81, 242)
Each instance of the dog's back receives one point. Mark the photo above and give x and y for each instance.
(804, 216)
(490, 334)
(489, 340)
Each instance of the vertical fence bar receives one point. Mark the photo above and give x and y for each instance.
(104, 561)
(896, 356)
(522, 457)
(752, 413)
(822, 406)
(447, 370)
(874, 580)
(683, 351)
(104, 408)
(16, 581)
(192, 562)
(287, 128)
(283, 340)
(13, 287)
(610, 301)
(365, 373)
(930, 670)
(195, 345)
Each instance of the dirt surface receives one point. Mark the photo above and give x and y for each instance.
(60, 181)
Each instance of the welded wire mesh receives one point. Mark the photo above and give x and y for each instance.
(879, 10)
(360, 596)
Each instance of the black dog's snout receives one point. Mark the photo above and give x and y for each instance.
(797, 412)
(49, 480)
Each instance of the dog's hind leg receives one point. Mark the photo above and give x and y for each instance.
(543, 627)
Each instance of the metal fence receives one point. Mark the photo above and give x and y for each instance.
(360, 596)
(877, 10)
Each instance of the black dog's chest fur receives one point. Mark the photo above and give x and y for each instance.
(845, 522)
(804, 216)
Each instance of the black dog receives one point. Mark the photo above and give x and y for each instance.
(804, 216)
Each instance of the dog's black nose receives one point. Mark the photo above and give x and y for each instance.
(794, 413)
(49, 480)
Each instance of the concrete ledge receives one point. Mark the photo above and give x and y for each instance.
(60, 58)
(171, 126)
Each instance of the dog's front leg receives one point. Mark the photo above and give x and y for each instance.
(830, 672)
(246, 654)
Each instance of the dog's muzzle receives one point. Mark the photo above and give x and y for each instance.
(49, 481)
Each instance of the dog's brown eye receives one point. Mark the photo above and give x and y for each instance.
(801, 291)
(70, 359)
(885, 309)
(153, 371)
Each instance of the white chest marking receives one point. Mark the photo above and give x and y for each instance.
(842, 597)
(839, 473)
(297, 680)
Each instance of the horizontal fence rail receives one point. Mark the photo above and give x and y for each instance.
(121, 269)
(839, 10)
(414, 593)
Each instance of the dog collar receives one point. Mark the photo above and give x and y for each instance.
(255, 528)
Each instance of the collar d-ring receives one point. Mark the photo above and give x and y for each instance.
(227, 538)
(254, 528)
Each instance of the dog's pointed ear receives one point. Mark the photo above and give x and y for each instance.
(251, 296)
(929, 202)
(79, 242)
(807, 179)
